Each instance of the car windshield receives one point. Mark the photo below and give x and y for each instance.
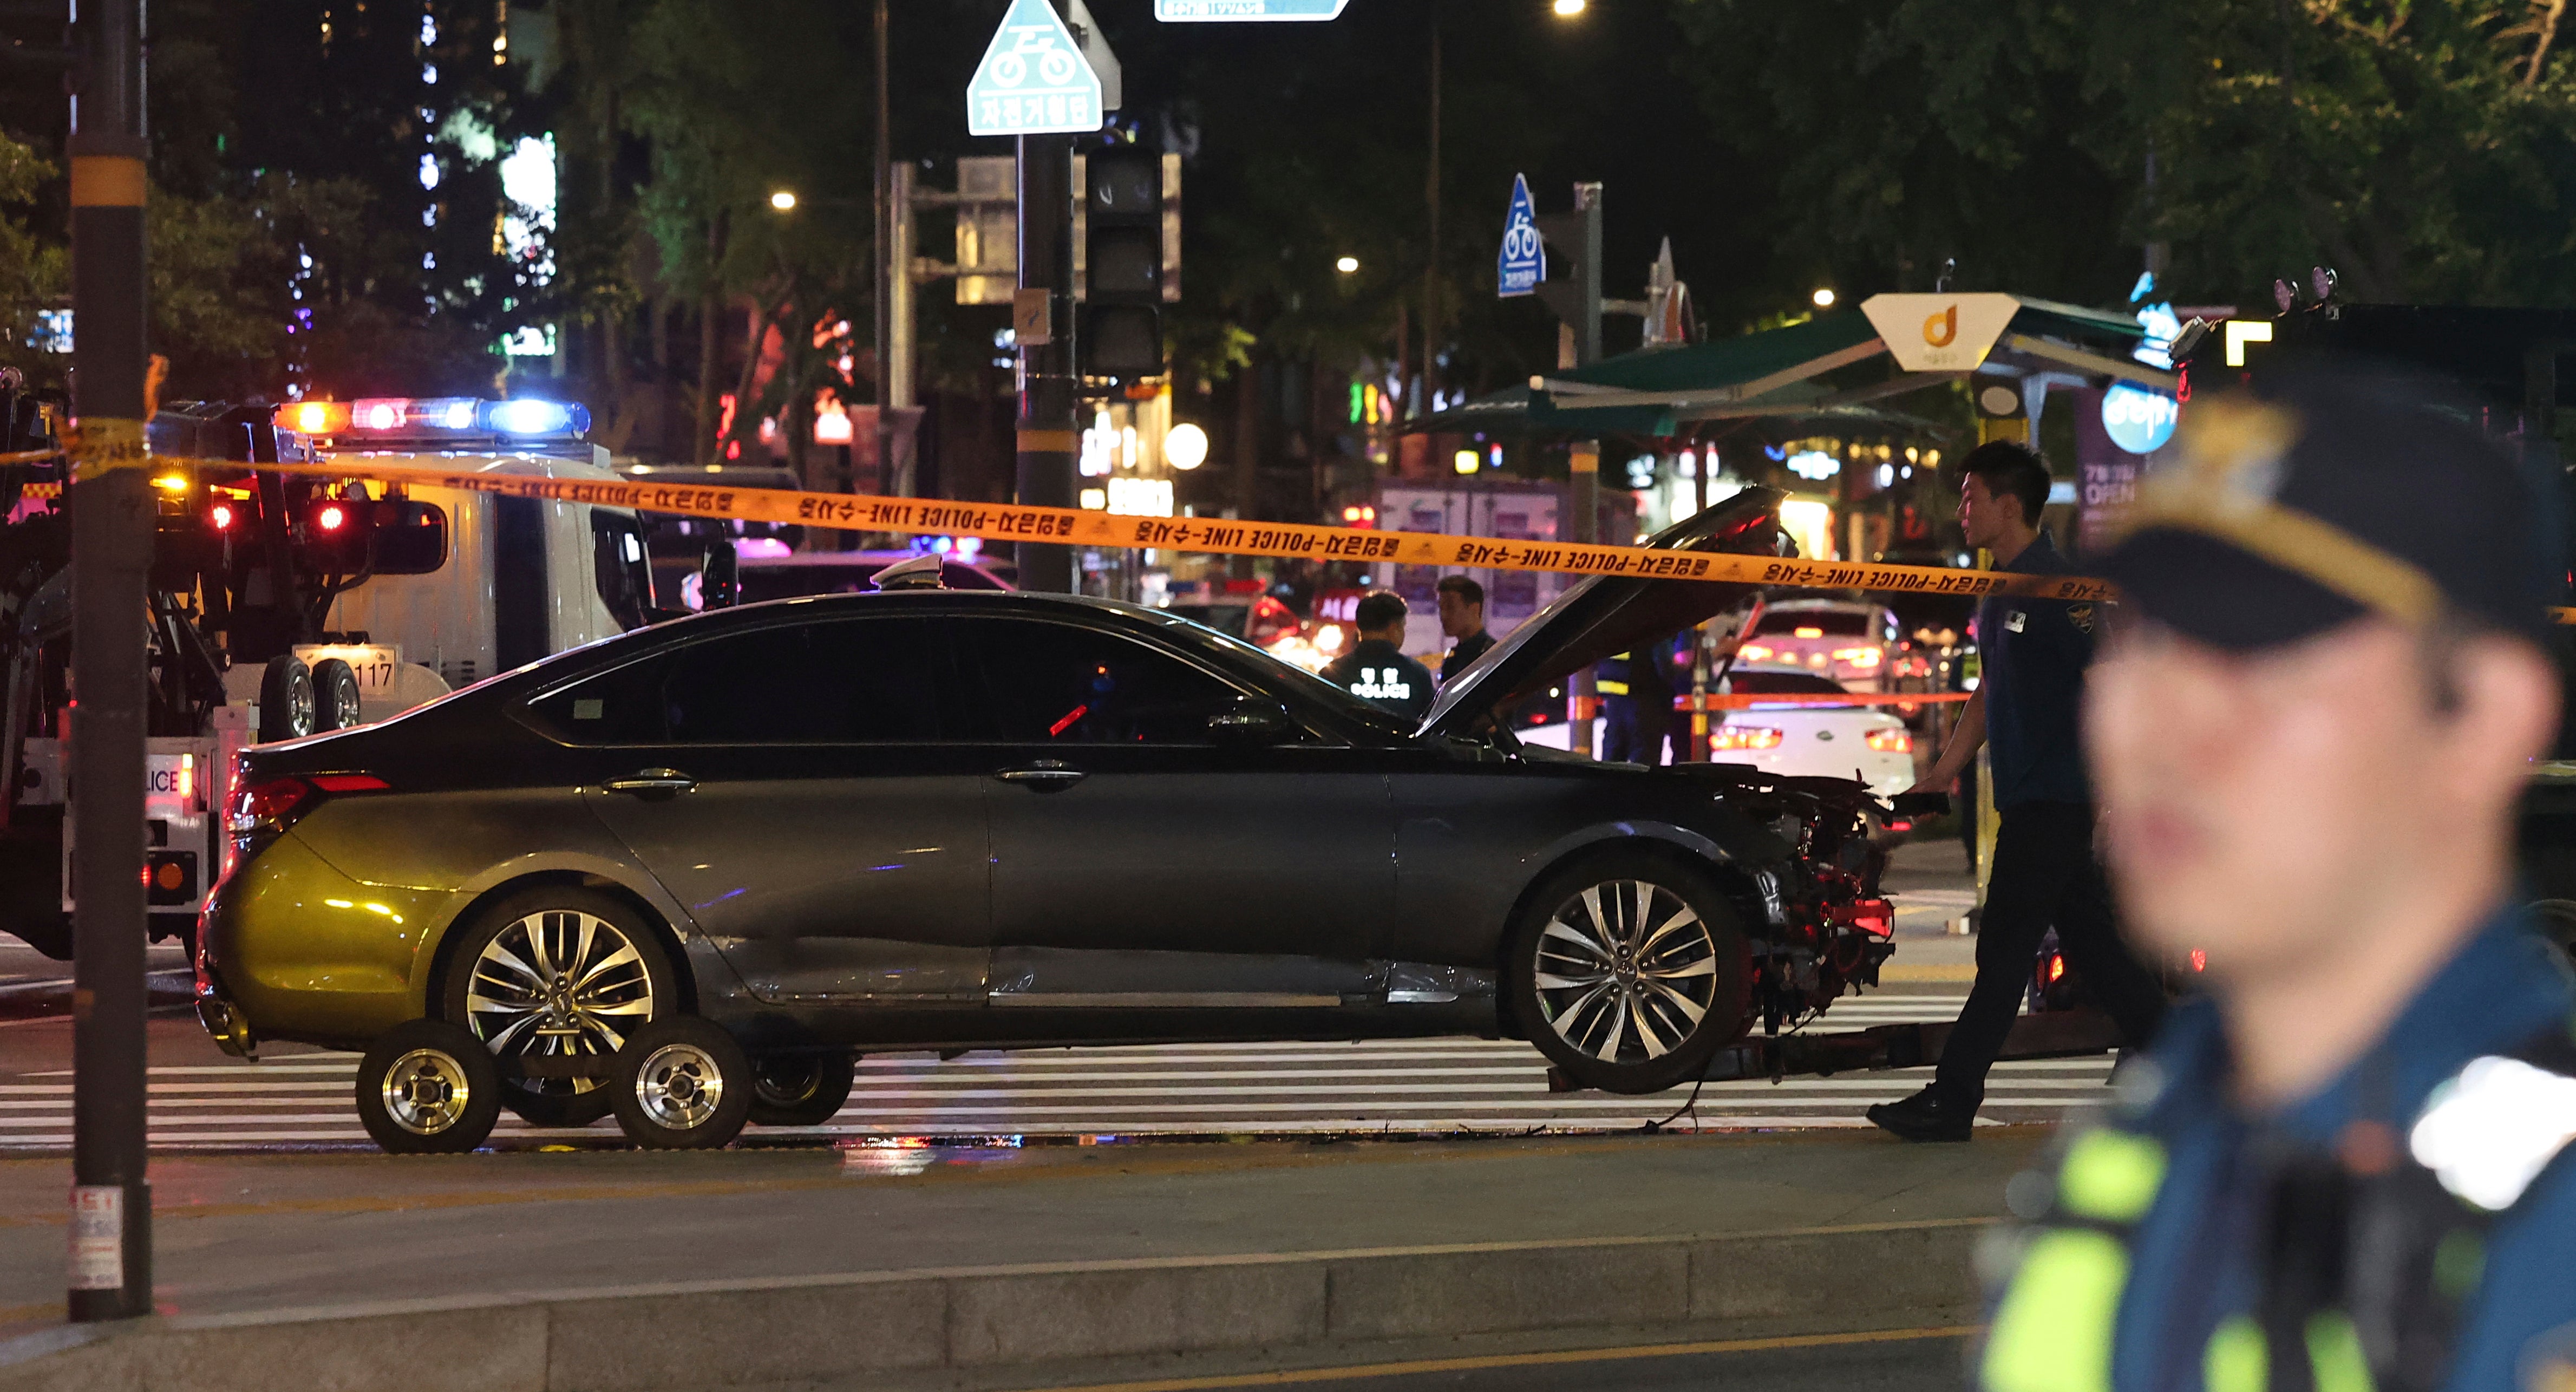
(1826, 623)
(1177, 624)
(1228, 619)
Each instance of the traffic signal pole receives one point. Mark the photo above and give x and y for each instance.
(1042, 316)
(1577, 301)
(112, 516)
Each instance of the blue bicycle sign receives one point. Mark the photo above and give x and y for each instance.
(1033, 80)
(1523, 263)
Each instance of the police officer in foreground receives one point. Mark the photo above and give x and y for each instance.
(1462, 621)
(1377, 670)
(2348, 1166)
(2026, 711)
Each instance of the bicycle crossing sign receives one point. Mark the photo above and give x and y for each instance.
(1033, 80)
(1523, 263)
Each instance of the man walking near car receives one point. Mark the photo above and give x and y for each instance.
(2025, 710)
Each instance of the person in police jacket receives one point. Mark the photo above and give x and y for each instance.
(2348, 1167)
(1376, 669)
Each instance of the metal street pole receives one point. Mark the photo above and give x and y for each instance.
(1042, 316)
(899, 301)
(889, 270)
(112, 524)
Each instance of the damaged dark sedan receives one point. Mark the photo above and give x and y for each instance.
(953, 819)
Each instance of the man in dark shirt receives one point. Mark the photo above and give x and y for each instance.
(2045, 871)
(1462, 619)
(1377, 670)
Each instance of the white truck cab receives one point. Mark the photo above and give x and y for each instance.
(291, 603)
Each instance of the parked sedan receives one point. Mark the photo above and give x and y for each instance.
(1797, 735)
(688, 872)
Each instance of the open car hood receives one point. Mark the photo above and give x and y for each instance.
(1606, 615)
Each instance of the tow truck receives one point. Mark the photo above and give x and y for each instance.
(282, 604)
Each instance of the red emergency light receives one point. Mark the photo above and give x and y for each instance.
(221, 514)
(331, 518)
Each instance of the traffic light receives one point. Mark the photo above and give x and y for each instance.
(1573, 289)
(1126, 258)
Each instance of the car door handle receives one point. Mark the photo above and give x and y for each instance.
(646, 782)
(1045, 776)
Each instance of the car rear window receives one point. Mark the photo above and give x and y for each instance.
(851, 681)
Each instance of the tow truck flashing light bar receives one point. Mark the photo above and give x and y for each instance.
(432, 418)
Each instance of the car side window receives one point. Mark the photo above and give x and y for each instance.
(1059, 684)
(853, 681)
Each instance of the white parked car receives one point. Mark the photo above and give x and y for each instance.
(1854, 643)
(1824, 741)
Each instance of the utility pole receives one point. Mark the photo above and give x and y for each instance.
(890, 271)
(1042, 316)
(1577, 300)
(112, 525)
(898, 367)
(1431, 264)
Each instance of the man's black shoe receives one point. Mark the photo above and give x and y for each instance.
(1926, 1116)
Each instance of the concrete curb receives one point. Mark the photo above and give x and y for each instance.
(822, 1328)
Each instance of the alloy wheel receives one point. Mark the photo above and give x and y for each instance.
(559, 983)
(1626, 971)
(425, 1092)
(679, 1086)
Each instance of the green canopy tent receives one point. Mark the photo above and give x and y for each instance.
(1927, 340)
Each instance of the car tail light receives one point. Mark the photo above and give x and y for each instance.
(1736, 737)
(1891, 741)
(1859, 657)
(331, 517)
(1899, 824)
(1754, 652)
(273, 804)
(1875, 917)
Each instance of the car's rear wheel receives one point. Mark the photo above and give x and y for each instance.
(683, 1084)
(1630, 973)
(428, 1088)
(799, 1089)
(554, 981)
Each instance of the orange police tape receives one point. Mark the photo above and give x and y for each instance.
(1086, 527)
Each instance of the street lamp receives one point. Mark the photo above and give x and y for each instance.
(1186, 446)
(783, 200)
(1347, 265)
(1824, 297)
(1568, 9)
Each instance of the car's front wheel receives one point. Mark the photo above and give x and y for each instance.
(1629, 971)
(554, 980)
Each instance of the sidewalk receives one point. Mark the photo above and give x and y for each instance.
(265, 1232)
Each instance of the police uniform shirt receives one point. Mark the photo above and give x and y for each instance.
(2035, 652)
(1464, 655)
(2194, 1259)
(1377, 672)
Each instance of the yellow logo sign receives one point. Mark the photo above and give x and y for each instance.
(1941, 328)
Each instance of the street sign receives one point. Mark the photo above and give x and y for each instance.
(1218, 11)
(1523, 263)
(1033, 80)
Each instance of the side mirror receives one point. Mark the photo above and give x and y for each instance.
(1252, 720)
(719, 576)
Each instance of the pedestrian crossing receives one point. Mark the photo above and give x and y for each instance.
(1412, 1087)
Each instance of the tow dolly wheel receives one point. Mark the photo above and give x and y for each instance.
(1629, 973)
(799, 1089)
(335, 695)
(682, 1084)
(428, 1088)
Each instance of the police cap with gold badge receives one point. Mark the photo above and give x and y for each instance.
(2301, 504)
